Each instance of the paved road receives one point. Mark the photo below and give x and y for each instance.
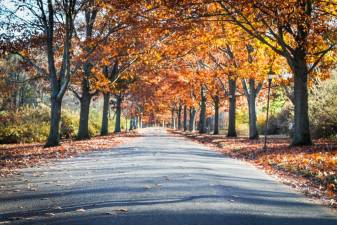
(157, 179)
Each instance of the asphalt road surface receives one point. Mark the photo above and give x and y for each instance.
(156, 179)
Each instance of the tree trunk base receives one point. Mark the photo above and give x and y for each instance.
(301, 141)
(254, 137)
(52, 143)
(85, 137)
(232, 135)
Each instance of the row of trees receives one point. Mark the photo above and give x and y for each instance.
(166, 57)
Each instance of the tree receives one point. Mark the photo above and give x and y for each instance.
(43, 26)
(299, 31)
(202, 119)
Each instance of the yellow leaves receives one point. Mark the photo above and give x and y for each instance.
(24, 52)
(330, 190)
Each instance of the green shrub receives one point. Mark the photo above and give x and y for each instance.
(323, 108)
(242, 120)
(69, 124)
(24, 125)
(95, 121)
(279, 123)
(31, 124)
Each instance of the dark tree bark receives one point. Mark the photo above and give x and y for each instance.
(301, 127)
(54, 132)
(232, 108)
(192, 119)
(179, 116)
(105, 116)
(110, 75)
(135, 124)
(173, 126)
(251, 93)
(185, 118)
(119, 100)
(59, 81)
(202, 120)
(131, 123)
(83, 129)
(216, 100)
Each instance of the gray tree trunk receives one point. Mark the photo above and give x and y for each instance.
(251, 93)
(118, 113)
(172, 119)
(192, 119)
(216, 114)
(105, 116)
(253, 132)
(83, 129)
(185, 118)
(131, 123)
(55, 115)
(59, 81)
(202, 120)
(179, 117)
(232, 108)
(302, 134)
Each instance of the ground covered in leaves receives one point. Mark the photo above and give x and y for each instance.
(14, 156)
(310, 169)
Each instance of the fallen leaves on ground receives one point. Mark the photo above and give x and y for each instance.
(310, 169)
(14, 156)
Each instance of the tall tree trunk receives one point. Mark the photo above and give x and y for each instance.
(135, 121)
(105, 116)
(172, 119)
(202, 121)
(251, 93)
(173, 125)
(192, 119)
(232, 108)
(55, 118)
(301, 127)
(131, 123)
(253, 132)
(185, 118)
(118, 113)
(59, 79)
(83, 129)
(216, 114)
(179, 116)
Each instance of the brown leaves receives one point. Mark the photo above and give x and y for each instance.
(331, 190)
(15, 156)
